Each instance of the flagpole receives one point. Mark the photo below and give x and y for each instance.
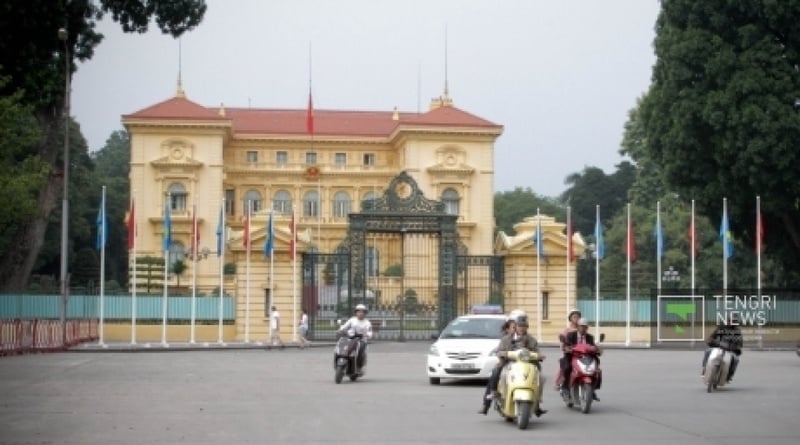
(247, 276)
(319, 247)
(724, 247)
(167, 241)
(194, 272)
(221, 252)
(103, 230)
(294, 261)
(759, 234)
(659, 245)
(539, 247)
(271, 234)
(628, 281)
(133, 290)
(694, 247)
(597, 274)
(569, 254)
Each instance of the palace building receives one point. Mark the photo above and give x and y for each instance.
(391, 208)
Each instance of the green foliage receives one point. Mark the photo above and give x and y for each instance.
(22, 175)
(511, 207)
(720, 119)
(395, 270)
(34, 63)
(593, 187)
(178, 268)
(229, 269)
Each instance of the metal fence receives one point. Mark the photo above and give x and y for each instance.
(116, 307)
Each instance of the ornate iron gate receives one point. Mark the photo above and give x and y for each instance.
(403, 259)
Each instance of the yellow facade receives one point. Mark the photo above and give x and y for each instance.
(267, 158)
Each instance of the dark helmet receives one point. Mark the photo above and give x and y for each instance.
(522, 320)
(573, 312)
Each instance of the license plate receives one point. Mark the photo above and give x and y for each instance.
(463, 365)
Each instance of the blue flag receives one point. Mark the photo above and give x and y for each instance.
(725, 234)
(102, 225)
(538, 237)
(167, 240)
(219, 233)
(659, 234)
(598, 236)
(269, 245)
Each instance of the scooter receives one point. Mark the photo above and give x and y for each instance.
(518, 388)
(583, 378)
(717, 367)
(345, 358)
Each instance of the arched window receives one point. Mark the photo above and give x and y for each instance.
(177, 252)
(253, 198)
(177, 196)
(311, 204)
(282, 202)
(341, 204)
(450, 199)
(369, 196)
(373, 261)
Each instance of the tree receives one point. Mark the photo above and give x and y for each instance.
(178, 268)
(34, 60)
(593, 187)
(720, 116)
(511, 207)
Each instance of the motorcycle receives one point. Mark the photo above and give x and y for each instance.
(583, 378)
(518, 388)
(717, 367)
(345, 357)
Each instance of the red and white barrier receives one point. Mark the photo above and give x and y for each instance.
(24, 336)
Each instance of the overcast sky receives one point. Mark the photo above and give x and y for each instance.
(559, 75)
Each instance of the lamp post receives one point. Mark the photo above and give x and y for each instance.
(671, 276)
(62, 35)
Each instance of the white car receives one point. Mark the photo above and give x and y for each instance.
(466, 348)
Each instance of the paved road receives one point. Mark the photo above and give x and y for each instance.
(288, 396)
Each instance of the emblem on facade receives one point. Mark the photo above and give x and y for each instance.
(312, 172)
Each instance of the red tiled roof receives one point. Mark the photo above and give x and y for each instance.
(176, 108)
(326, 122)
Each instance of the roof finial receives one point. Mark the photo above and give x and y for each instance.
(179, 92)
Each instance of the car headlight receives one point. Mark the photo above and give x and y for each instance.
(433, 350)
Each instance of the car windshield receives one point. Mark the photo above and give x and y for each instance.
(473, 328)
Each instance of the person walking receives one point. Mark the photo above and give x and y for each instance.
(275, 327)
(304, 330)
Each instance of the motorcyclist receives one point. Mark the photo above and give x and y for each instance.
(507, 328)
(581, 335)
(358, 329)
(517, 340)
(726, 336)
(565, 362)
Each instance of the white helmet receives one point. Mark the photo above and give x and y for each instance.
(515, 314)
(360, 307)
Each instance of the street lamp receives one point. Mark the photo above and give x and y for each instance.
(62, 35)
(671, 276)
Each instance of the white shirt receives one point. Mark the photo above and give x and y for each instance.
(275, 319)
(354, 326)
(304, 321)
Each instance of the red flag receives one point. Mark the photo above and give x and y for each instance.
(759, 233)
(570, 247)
(246, 237)
(630, 243)
(310, 115)
(132, 226)
(293, 241)
(692, 233)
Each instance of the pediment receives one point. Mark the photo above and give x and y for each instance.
(451, 159)
(177, 153)
(523, 240)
